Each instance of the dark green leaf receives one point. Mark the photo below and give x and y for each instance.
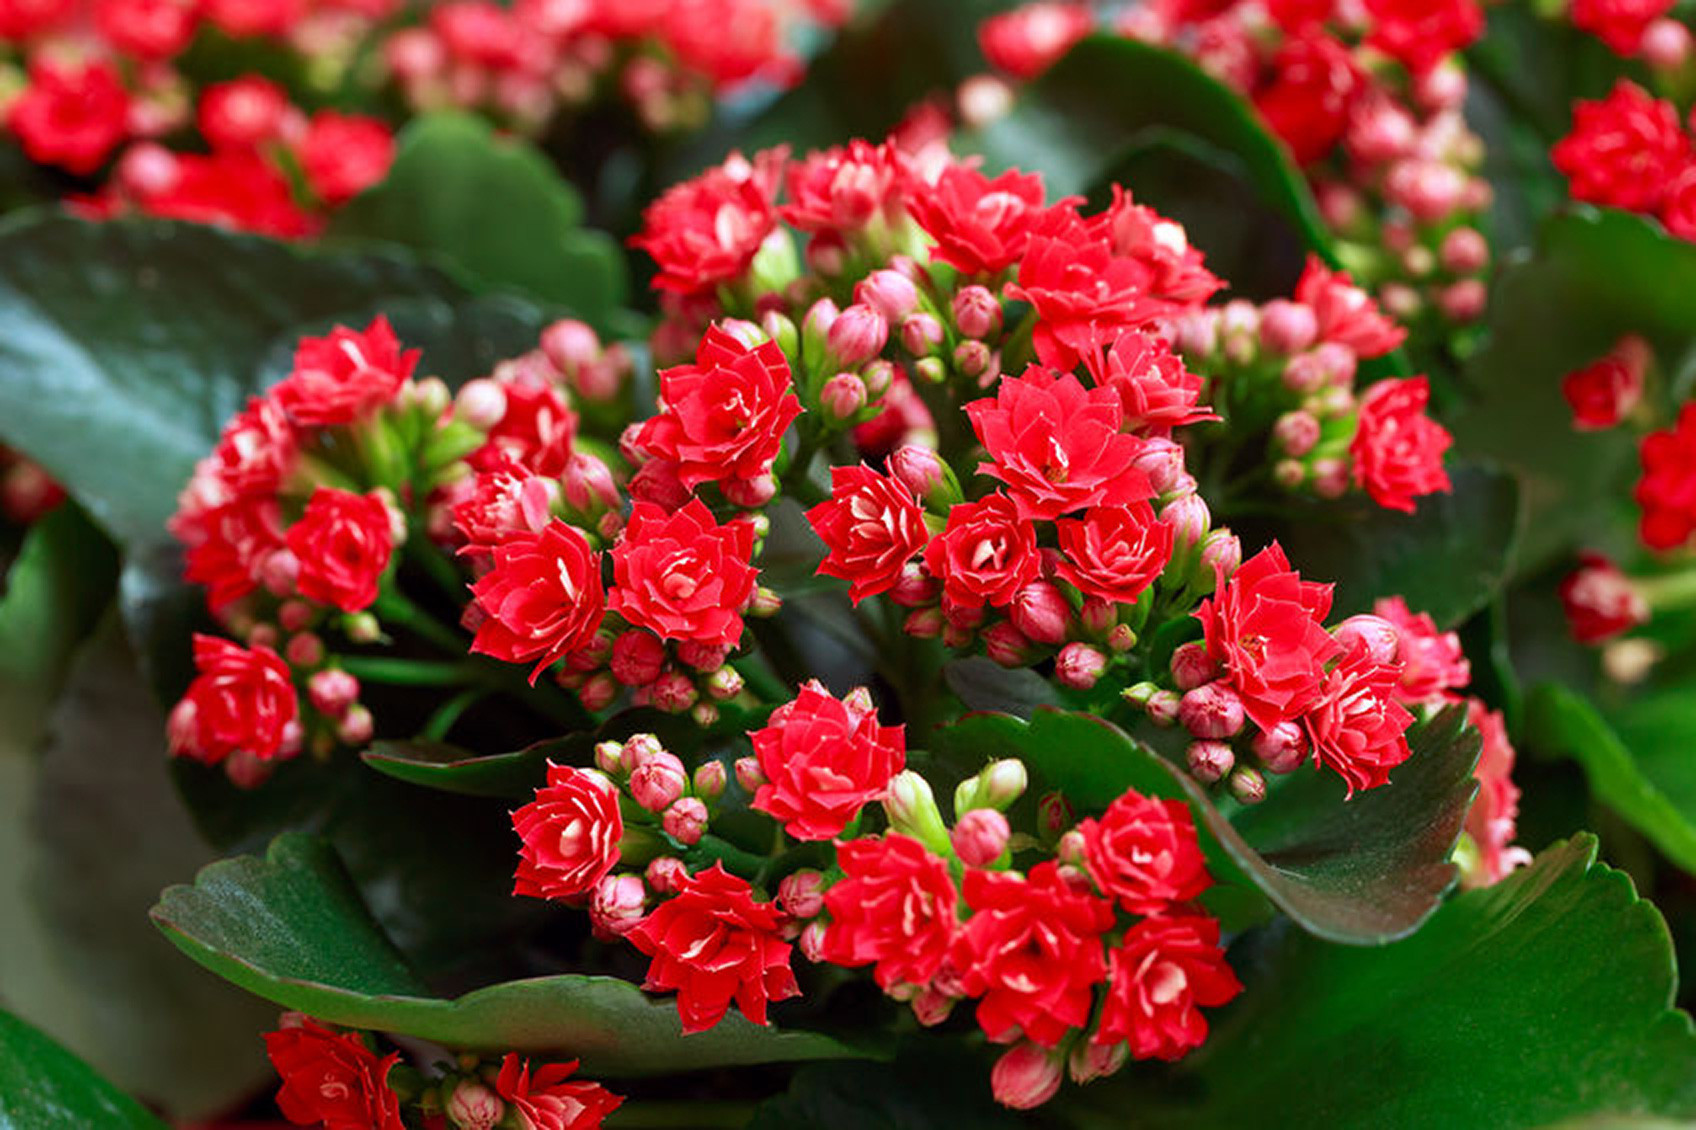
(983, 684)
(45, 1087)
(291, 928)
(931, 1085)
(1363, 871)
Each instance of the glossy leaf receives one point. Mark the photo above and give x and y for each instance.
(291, 928)
(45, 1087)
(1362, 871)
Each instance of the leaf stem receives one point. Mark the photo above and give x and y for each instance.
(407, 672)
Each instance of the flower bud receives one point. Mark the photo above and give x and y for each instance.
(1379, 637)
(1239, 328)
(749, 775)
(1004, 644)
(570, 345)
(246, 770)
(765, 604)
(980, 837)
(1665, 45)
(657, 482)
(1296, 433)
(921, 334)
(355, 727)
(609, 758)
(1098, 616)
(890, 293)
(473, 1106)
(924, 623)
(857, 335)
(997, 786)
(685, 821)
(1464, 251)
(587, 486)
(1247, 785)
(710, 779)
(616, 905)
(815, 327)
(480, 403)
(638, 750)
(1162, 707)
(1053, 815)
(1282, 748)
(749, 493)
(801, 894)
(278, 572)
(911, 808)
(922, 471)
(1287, 327)
(1189, 518)
(1041, 612)
(295, 615)
(1209, 760)
(1221, 553)
(1026, 1076)
(977, 313)
(930, 370)
(1090, 1061)
(1331, 478)
(1463, 301)
(724, 684)
(666, 874)
(658, 781)
(304, 650)
(1191, 667)
(973, 358)
(1163, 462)
(1079, 666)
(638, 657)
(843, 396)
(673, 692)
(331, 692)
(704, 714)
(782, 331)
(598, 692)
(432, 396)
(1211, 710)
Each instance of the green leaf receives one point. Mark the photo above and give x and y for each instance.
(495, 208)
(1363, 871)
(1547, 996)
(932, 1084)
(291, 928)
(1642, 770)
(45, 1087)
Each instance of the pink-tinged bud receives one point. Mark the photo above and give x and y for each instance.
(666, 875)
(1600, 601)
(658, 782)
(1303, 374)
(1289, 474)
(1282, 748)
(765, 604)
(921, 334)
(724, 684)
(815, 327)
(638, 657)
(911, 808)
(332, 692)
(843, 396)
(473, 1106)
(980, 837)
(1465, 251)
(1090, 1061)
(673, 692)
(811, 941)
(962, 617)
(481, 403)
(1162, 707)
(983, 100)
(930, 370)
(685, 821)
(915, 588)
(304, 650)
(361, 627)
(148, 169)
(432, 396)
(1079, 666)
(702, 657)
(278, 573)
(1331, 478)
(609, 758)
(295, 615)
(858, 334)
(973, 358)
(1239, 329)
(1296, 433)
(1379, 637)
(749, 775)
(247, 771)
(1138, 694)
(780, 329)
(1463, 301)
(1427, 190)
(877, 375)
(1287, 327)
(704, 714)
(1192, 667)
(570, 345)
(1418, 261)
(1247, 785)
(924, 623)
(1221, 553)
(1054, 815)
(638, 750)
(1211, 710)
(1380, 131)
(744, 331)
(749, 493)
(977, 313)
(1209, 761)
(1121, 639)
(710, 780)
(1098, 616)
(1400, 302)
(1006, 645)
(615, 907)
(587, 485)
(1665, 45)
(1041, 612)
(801, 894)
(1441, 88)
(997, 786)
(826, 255)
(1070, 849)
(657, 482)
(1026, 1076)
(1189, 518)
(355, 727)
(890, 293)
(1163, 462)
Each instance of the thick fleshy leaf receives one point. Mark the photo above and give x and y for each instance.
(45, 1087)
(1546, 997)
(291, 928)
(1362, 871)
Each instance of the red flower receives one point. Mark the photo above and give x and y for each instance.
(1678, 207)
(894, 906)
(550, 1099)
(538, 431)
(844, 188)
(1114, 552)
(682, 575)
(257, 448)
(1160, 973)
(1490, 822)
(70, 115)
(1432, 662)
(233, 189)
(1600, 601)
(1032, 951)
(1344, 313)
(501, 502)
(230, 544)
(333, 1080)
(727, 41)
(343, 544)
(706, 231)
(243, 18)
(147, 29)
(1623, 151)
(241, 701)
(1618, 23)
(1154, 388)
(1605, 391)
(479, 33)
(542, 599)
(981, 226)
(1397, 449)
(723, 417)
(1175, 269)
(986, 553)
(1264, 626)
(1315, 82)
(1357, 727)
(823, 761)
(713, 944)
(345, 375)
(345, 154)
(1057, 445)
(243, 113)
(1144, 853)
(26, 19)
(872, 528)
(1421, 32)
(570, 833)
(1032, 37)
(1667, 490)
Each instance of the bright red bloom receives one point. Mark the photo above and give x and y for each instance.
(345, 154)
(1397, 449)
(1144, 853)
(241, 701)
(1678, 207)
(894, 906)
(333, 1080)
(70, 115)
(714, 944)
(723, 417)
(1176, 270)
(345, 375)
(243, 18)
(1421, 32)
(1344, 313)
(1163, 970)
(1314, 86)
(1600, 601)
(1356, 726)
(228, 546)
(1491, 819)
(707, 231)
(1667, 490)
(1624, 150)
(823, 761)
(1114, 552)
(257, 448)
(1265, 627)
(727, 41)
(981, 225)
(1432, 662)
(233, 189)
(26, 19)
(478, 32)
(501, 502)
(1032, 37)
(549, 1099)
(1154, 388)
(537, 432)
(1057, 445)
(842, 189)
(542, 599)
(1032, 951)
(570, 833)
(986, 553)
(1618, 23)
(343, 544)
(243, 113)
(146, 29)
(682, 575)
(871, 526)
(1605, 391)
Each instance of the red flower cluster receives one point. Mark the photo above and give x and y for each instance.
(1606, 391)
(1629, 150)
(332, 1079)
(242, 701)
(1398, 449)
(1667, 491)
(823, 759)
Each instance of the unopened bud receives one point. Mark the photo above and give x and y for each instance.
(1211, 710)
(749, 493)
(1465, 251)
(1026, 1076)
(765, 604)
(1282, 748)
(332, 692)
(587, 486)
(609, 758)
(749, 775)
(473, 1106)
(666, 874)
(972, 358)
(977, 313)
(1090, 1061)
(637, 658)
(295, 615)
(1665, 45)
(815, 328)
(673, 692)
(481, 403)
(1209, 761)
(782, 331)
(1373, 634)
(658, 782)
(1004, 644)
(924, 623)
(1191, 667)
(616, 905)
(1162, 461)
(1162, 707)
(843, 396)
(1287, 327)
(570, 345)
(432, 396)
(704, 714)
(980, 837)
(930, 370)
(686, 821)
(1189, 518)
(1221, 553)
(638, 750)
(1041, 612)
(355, 727)
(1079, 666)
(997, 785)
(858, 334)
(1247, 785)
(1463, 301)
(701, 656)
(1296, 433)
(921, 334)
(911, 808)
(1053, 815)
(801, 894)
(890, 293)
(1331, 478)
(710, 779)
(246, 770)
(724, 684)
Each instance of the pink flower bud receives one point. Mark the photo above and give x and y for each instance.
(1465, 251)
(247, 771)
(749, 775)
(587, 485)
(977, 314)
(278, 573)
(1054, 815)
(1121, 639)
(890, 293)
(724, 684)
(609, 758)
(704, 714)
(295, 615)
(1380, 638)
(148, 169)
(355, 727)
(921, 334)
(765, 604)
(749, 493)
(1189, 518)
(570, 345)
(638, 656)
(843, 396)
(1162, 707)
(666, 875)
(877, 374)
(1442, 87)
(304, 650)
(919, 469)
(702, 657)
(473, 1106)
(1211, 710)
(980, 837)
(1098, 616)
(1239, 328)
(1006, 645)
(658, 782)
(1090, 1061)
(1296, 433)
(973, 358)
(1026, 1076)
(1247, 785)
(685, 821)
(1287, 327)
(598, 691)
(962, 617)
(657, 482)
(1281, 749)
(331, 692)
(1079, 666)
(826, 255)
(801, 894)
(781, 330)
(911, 807)
(1463, 301)
(1665, 45)
(1070, 849)
(924, 623)
(858, 334)
(617, 903)
(480, 403)
(1042, 612)
(638, 750)
(710, 780)
(744, 331)
(811, 941)
(1209, 760)
(1221, 553)
(1162, 461)
(1192, 666)
(1331, 478)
